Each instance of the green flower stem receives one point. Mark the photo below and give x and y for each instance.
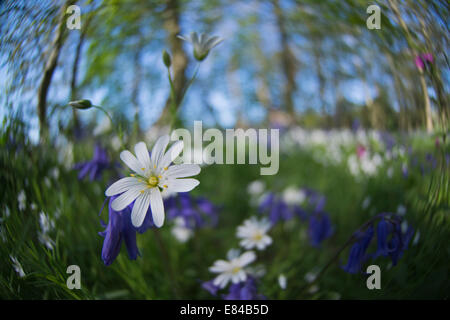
(337, 254)
(166, 260)
(174, 107)
(120, 131)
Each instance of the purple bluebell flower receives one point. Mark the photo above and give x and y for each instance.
(197, 212)
(388, 140)
(244, 291)
(276, 209)
(120, 229)
(267, 202)
(358, 251)
(384, 229)
(399, 242)
(431, 160)
(320, 228)
(391, 242)
(300, 212)
(210, 287)
(356, 125)
(94, 167)
(405, 171)
(354, 260)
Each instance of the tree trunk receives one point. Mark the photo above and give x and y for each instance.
(179, 57)
(48, 72)
(135, 89)
(287, 60)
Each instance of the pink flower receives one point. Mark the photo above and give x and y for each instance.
(437, 142)
(419, 63)
(360, 151)
(422, 59)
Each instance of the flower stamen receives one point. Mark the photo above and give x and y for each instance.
(153, 181)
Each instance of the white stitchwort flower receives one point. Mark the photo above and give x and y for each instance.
(54, 173)
(232, 270)
(6, 214)
(254, 233)
(282, 281)
(202, 44)
(22, 199)
(180, 231)
(311, 276)
(401, 210)
(293, 196)
(256, 187)
(366, 202)
(17, 266)
(151, 175)
(47, 225)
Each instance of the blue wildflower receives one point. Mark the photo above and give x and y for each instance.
(276, 209)
(94, 167)
(210, 287)
(244, 291)
(197, 212)
(320, 228)
(356, 125)
(384, 229)
(120, 229)
(354, 259)
(358, 251)
(388, 139)
(399, 242)
(391, 242)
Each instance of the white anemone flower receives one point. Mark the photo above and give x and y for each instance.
(151, 175)
(254, 233)
(202, 44)
(232, 270)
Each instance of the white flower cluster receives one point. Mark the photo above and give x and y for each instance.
(46, 226)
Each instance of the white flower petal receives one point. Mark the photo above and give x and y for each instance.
(140, 209)
(171, 154)
(131, 161)
(246, 258)
(122, 185)
(158, 149)
(220, 266)
(157, 207)
(182, 171)
(142, 154)
(242, 275)
(222, 280)
(122, 201)
(182, 185)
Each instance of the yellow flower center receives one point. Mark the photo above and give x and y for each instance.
(235, 270)
(153, 181)
(257, 236)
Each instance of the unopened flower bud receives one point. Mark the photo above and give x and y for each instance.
(81, 104)
(166, 59)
